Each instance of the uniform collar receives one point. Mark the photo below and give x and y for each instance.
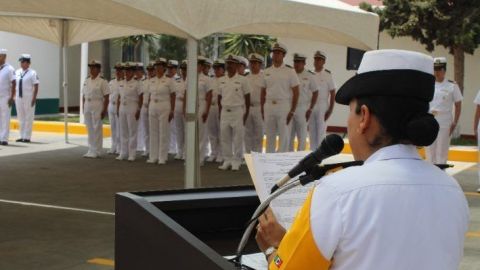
(396, 151)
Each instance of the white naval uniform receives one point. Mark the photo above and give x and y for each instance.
(317, 127)
(7, 76)
(143, 140)
(447, 93)
(23, 104)
(232, 91)
(172, 149)
(279, 83)
(129, 102)
(299, 122)
(254, 129)
(94, 91)
(116, 86)
(395, 212)
(179, 118)
(213, 123)
(204, 86)
(159, 108)
(476, 101)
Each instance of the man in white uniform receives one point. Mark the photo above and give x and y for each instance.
(130, 103)
(116, 86)
(213, 122)
(161, 106)
(234, 101)
(143, 140)
(95, 94)
(396, 211)
(279, 100)
(447, 96)
(172, 70)
(179, 116)
(476, 128)
(242, 66)
(7, 94)
(317, 126)
(306, 102)
(27, 91)
(254, 126)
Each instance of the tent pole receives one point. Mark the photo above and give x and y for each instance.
(192, 166)
(83, 75)
(65, 76)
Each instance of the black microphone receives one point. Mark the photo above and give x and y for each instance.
(331, 145)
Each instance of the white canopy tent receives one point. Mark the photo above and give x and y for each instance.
(329, 21)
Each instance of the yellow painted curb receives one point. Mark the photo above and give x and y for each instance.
(59, 127)
(100, 261)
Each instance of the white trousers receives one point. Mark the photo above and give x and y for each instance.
(179, 121)
(25, 114)
(93, 120)
(437, 152)
(317, 127)
(276, 124)
(5, 112)
(114, 127)
(254, 130)
(143, 140)
(159, 130)
(478, 141)
(202, 133)
(231, 134)
(128, 130)
(299, 128)
(173, 138)
(213, 130)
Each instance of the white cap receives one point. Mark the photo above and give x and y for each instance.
(219, 62)
(25, 56)
(151, 65)
(139, 64)
(279, 47)
(299, 56)
(3, 51)
(320, 54)
(243, 60)
(160, 61)
(172, 63)
(256, 57)
(440, 62)
(94, 62)
(395, 60)
(184, 63)
(208, 61)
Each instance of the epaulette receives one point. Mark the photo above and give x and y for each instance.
(311, 72)
(452, 81)
(328, 71)
(288, 66)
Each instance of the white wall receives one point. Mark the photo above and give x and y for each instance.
(45, 60)
(336, 62)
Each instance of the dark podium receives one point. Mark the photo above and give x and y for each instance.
(182, 229)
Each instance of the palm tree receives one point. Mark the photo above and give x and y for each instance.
(132, 45)
(239, 44)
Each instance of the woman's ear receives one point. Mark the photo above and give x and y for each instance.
(365, 119)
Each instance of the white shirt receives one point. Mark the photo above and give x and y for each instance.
(29, 80)
(257, 82)
(7, 76)
(131, 92)
(95, 89)
(233, 90)
(446, 94)
(477, 98)
(307, 87)
(160, 89)
(396, 211)
(180, 89)
(215, 84)
(204, 86)
(279, 83)
(116, 86)
(325, 84)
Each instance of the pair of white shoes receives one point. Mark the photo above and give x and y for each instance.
(91, 155)
(179, 157)
(131, 159)
(227, 165)
(160, 162)
(478, 190)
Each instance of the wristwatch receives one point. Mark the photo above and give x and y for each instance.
(269, 251)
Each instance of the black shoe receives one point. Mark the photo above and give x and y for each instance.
(4, 143)
(19, 140)
(26, 140)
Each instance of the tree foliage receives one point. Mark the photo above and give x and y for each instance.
(239, 44)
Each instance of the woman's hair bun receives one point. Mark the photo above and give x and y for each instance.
(422, 129)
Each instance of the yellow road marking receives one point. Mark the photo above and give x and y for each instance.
(476, 194)
(473, 234)
(101, 261)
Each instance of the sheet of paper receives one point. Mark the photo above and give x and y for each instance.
(267, 169)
